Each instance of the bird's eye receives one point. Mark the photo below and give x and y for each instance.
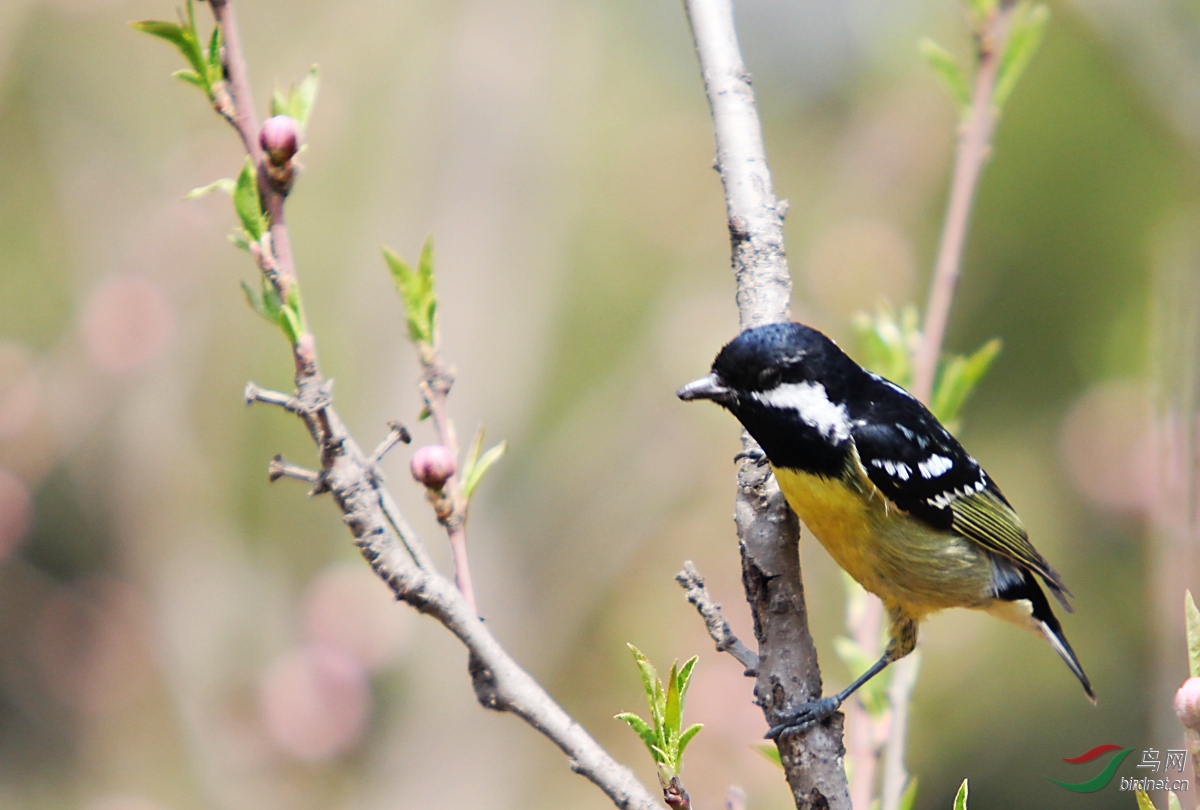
(768, 378)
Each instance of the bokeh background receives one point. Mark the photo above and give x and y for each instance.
(177, 634)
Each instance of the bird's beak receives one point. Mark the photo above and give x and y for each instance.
(709, 387)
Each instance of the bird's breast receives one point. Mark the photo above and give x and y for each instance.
(904, 561)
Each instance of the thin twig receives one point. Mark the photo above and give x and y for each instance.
(718, 628)
(865, 734)
(974, 148)
(352, 478)
(397, 434)
(895, 774)
(451, 504)
(768, 531)
(971, 154)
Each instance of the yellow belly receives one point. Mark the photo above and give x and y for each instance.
(903, 561)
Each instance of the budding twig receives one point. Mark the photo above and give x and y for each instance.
(352, 478)
(974, 148)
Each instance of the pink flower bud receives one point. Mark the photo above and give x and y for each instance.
(432, 466)
(1187, 703)
(280, 138)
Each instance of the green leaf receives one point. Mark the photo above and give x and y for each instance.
(1193, 634)
(224, 184)
(947, 68)
(416, 288)
(770, 752)
(183, 36)
(673, 715)
(267, 303)
(958, 379)
(909, 797)
(641, 728)
(888, 342)
(299, 100)
(190, 77)
(1173, 801)
(1144, 802)
(304, 97)
(960, 801)
(1027, 28)
(480, 467)
(686, 737)
(171, 32)
(291, 325)
(659, 755)
(650, 684)
(248, 204)
(685, 676)
(240, 239)
(216, 70)
(279, 103)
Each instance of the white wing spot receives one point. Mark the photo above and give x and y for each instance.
(812, 403)
(934, 466)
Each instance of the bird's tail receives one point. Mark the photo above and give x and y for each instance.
(1025, 604)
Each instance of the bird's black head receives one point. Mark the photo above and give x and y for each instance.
(761, 360)
(789, 385)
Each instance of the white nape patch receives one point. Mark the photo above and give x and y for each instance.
(934, 466)
(813, 405)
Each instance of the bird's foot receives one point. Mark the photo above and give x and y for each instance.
(756, 456)
(806, 715)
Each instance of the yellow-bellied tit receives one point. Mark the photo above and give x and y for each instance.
(891, 495)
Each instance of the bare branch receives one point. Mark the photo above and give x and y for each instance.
(278, 468)
(769, 533)
(397, 434)
(255, 394)
(691, 581)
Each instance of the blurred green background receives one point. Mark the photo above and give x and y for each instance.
(175, 633)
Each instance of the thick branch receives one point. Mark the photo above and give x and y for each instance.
(769, 533)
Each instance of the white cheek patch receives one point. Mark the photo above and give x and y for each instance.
(813, 405)
(934, 466)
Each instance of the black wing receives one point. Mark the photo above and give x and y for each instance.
(920, 467)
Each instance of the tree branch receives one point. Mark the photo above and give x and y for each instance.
(768, 531)
(352, 478)
(974, 148)
(691, 581)
(971, 155)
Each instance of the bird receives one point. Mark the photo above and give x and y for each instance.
(886, 489)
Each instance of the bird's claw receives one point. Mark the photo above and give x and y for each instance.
(805, 715)
(755, 456)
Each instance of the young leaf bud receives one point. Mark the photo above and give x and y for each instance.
(280, 138)
(1187, 703)
(432, 466)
